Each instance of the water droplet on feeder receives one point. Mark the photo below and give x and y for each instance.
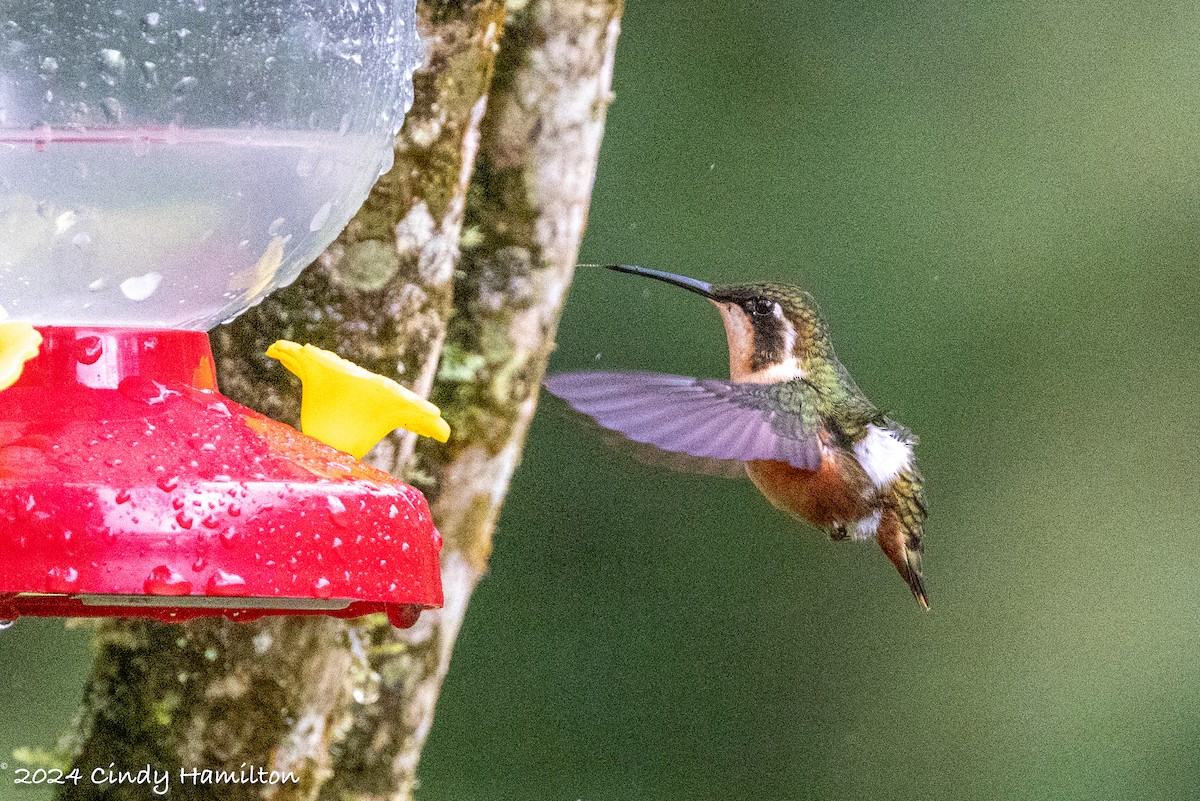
(165, 581)
(402, 615)
(321, 217)
(113, 111)
(389, 161)
(111, 59)
(223, 583)
(141, 287)
(88, 350)
(140, 388)
(149, 74)
(61, 579)
(337, 510)
(65, 220)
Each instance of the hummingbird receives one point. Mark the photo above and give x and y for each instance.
(790, 414)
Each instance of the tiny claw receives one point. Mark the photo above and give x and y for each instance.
(19, 342)
(350, 408)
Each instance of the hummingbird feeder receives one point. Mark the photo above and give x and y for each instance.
(163, 166)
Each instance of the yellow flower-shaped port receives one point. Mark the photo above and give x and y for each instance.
(350, 408)
(19, 342)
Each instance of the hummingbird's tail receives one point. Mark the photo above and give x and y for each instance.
(900, 531)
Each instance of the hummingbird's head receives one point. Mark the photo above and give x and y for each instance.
(774, 330)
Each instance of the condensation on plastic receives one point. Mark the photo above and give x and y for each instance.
(167, 164)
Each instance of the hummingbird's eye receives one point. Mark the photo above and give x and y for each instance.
(761, 307)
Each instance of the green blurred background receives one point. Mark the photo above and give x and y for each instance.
(996, 204)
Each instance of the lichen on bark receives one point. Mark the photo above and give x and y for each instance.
(525, 216)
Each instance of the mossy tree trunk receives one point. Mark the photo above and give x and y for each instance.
(451, 278)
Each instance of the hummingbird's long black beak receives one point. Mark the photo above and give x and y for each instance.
(691, 284)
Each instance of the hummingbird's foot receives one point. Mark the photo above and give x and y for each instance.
(838, 532)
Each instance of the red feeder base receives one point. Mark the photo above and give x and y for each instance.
(130, 487)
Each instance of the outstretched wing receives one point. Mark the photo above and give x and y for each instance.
(702, 417)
